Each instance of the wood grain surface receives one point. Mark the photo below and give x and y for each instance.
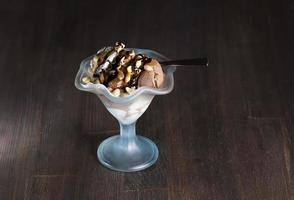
(224, 133)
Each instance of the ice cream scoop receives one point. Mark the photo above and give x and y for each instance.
(152, 76)
(122, 71)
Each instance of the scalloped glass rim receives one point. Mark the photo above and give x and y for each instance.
(101, 89)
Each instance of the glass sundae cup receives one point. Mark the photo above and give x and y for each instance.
(127, 151)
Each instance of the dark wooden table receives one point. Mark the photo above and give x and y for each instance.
(226, 132)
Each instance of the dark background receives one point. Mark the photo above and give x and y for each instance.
(225, 132)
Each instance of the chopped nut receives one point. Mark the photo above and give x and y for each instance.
(120, 44)
(118, 49)
(110, 89)
(148, 68)
(94, 62)
(101, 77)
(138, 63)
(128, 77)
(139, 56)
(95, 59)
(132, 54)
(130, 90)
(86, 79)
(120, 75)
(129, 69)
(116, 92)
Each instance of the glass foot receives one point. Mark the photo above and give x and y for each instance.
(127, 154)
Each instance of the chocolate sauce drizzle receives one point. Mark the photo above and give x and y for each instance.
(111, 72)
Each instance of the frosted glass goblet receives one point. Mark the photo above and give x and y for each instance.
(127, 151)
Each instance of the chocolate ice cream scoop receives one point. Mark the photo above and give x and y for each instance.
(152, 76)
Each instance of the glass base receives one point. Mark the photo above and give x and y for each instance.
(127, 154)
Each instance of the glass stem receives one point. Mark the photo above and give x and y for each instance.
(127, 130)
